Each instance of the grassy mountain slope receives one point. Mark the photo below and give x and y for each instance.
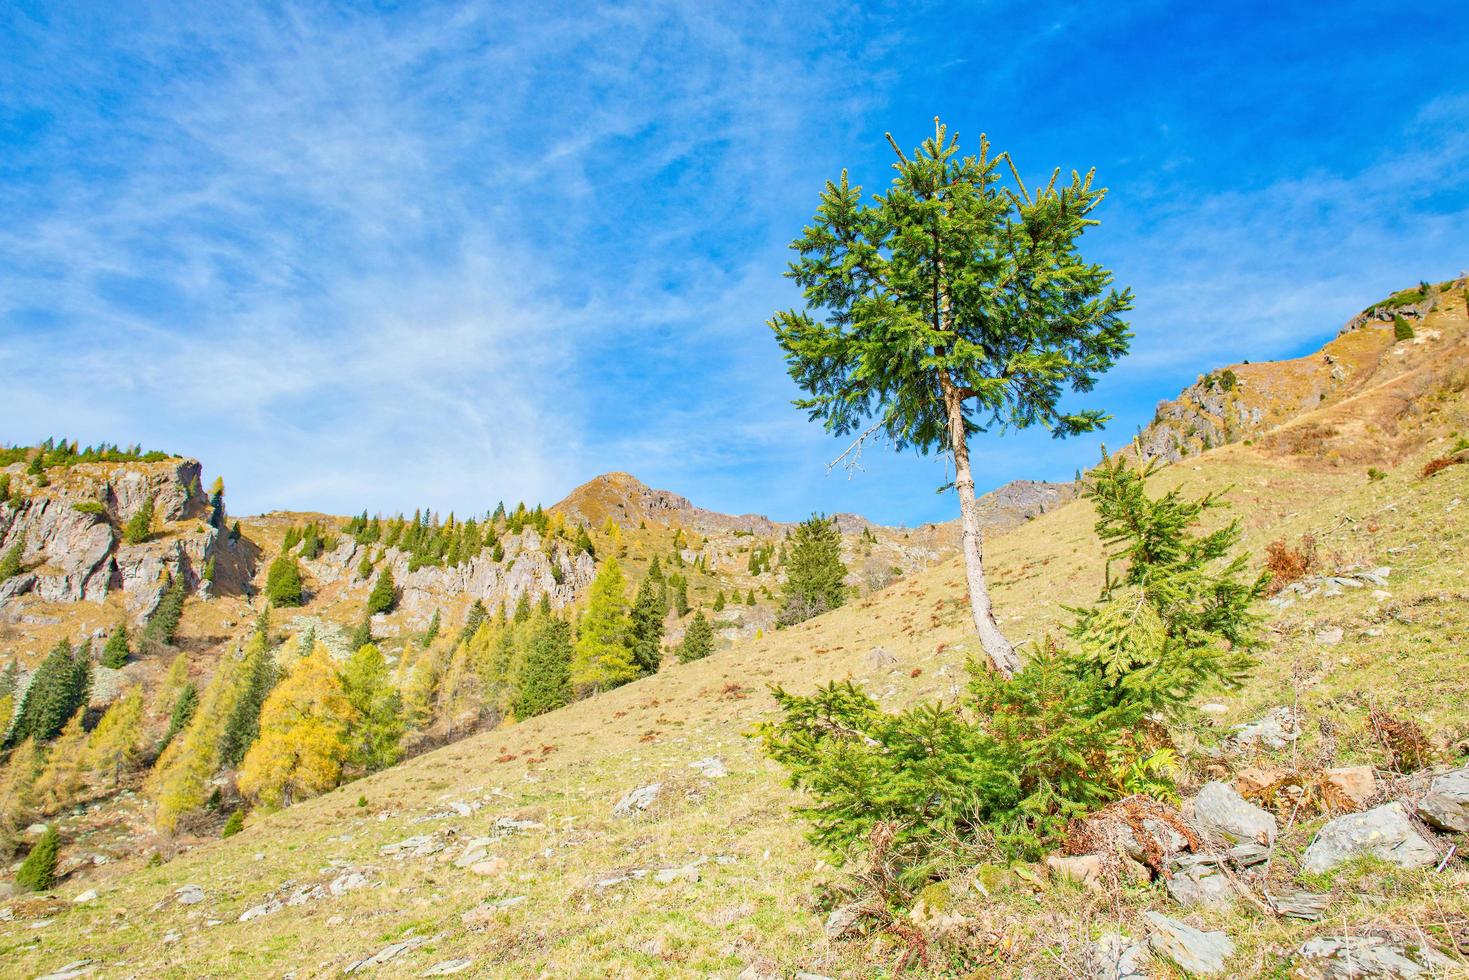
(580, 885)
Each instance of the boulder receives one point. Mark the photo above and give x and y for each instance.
(710, 768)
(190, 895)
(1221, 813)
(445, 968)
(1454, 785)
(1300, 905)
(1443, 813)
(1384, 831)
(637, 800)
(1196, 951)
(1350, 957)
(840, 921)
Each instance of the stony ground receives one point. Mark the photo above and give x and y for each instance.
(508, 850)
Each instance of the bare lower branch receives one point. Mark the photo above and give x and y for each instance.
(853, 453)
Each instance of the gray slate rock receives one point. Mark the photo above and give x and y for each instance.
(1309, 906)
(1383, 831)
(77, 968)
(1453, 784)
(1196, 882)
(1350, 957)
(1117, 957)
(1198, 952)
(1275, 730)
(638, 800)
(448, 967)
(1443, 813)
(387, 953)
(1221, 812)
(190, 895)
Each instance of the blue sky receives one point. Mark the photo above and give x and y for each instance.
(443, 254)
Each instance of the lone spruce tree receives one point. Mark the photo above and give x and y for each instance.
(953, 304)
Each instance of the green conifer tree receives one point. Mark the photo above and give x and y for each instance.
(163, 625)
(1401, 328)
(61, 685)
(140, 525)
(698, 639)
(375, 738)
(258, 677)
(184, 707)
(234, 824)
(814, 571)
(384, 596)
(472, 620)
(115, 653)
(283, 582)
(647, 628)
(545, 676)
(953, 304)
(38, 871)
(11, 561)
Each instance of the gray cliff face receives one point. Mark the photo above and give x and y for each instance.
(525, 571)
(76, 555)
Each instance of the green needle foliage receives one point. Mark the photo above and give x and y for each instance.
(814, 571)
(38, 871)
(648, 610)
(953, 304)
(140, 525)
(10, 562)
(183, 712)
(163, 625)
(234, 824)
(384, 595)
(545, 682)
(115, 653)
(1401, 328)
(62, 684)
(698, 639)
(283, 582)
(1011, 763)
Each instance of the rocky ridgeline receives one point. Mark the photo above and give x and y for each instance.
(73, 543)
(528, 569)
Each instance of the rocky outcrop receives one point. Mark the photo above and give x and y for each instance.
(73, 543)
(525, 570)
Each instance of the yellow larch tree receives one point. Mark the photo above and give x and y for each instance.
(303, 735)
(61, 779)
(114, 746)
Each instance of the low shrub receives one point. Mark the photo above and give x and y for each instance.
(1285, 564)
(1012, 763)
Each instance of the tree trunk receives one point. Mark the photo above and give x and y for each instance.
(996, 647)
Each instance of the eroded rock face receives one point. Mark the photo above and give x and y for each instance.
(73, 547)
(1349, 957)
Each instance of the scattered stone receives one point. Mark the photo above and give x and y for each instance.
(1352, 785)
(710, 768)
(387, 953)
(490, 866)
(474, 852)
(348, 881)
(1083, 869)
(172, 936)
(76, 968)
(689, 872)
(1300, 905)
(483, 915)
(1256, 779)
(1332, 635)
(1195, 951)
(1116, 957)
(90, 895)
(35, 830)
(420, 845)
(511, 824)
(1197, 881)
(638, 800)
(1350, 957)
(1443, 813)
(266, 907)
(1208, 708)
(190, 895)
(1247, 855)
(1222, 813)
(878, 658)
(448, 967)
(1275, 730)
(840, 921)
(1383, 831)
